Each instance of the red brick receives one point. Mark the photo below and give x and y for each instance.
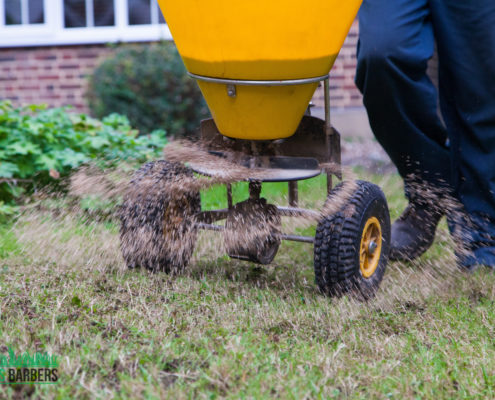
(70, 86)
(50, 97)
(27, 87)
(87, 55)
(26, 67)
(45, 56)
(64, 71)
(68, 66)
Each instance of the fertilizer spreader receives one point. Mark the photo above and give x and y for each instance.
(258, 64)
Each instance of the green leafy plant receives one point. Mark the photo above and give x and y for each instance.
(149, 84)
(40, 145)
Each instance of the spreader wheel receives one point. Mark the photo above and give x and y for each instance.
(157, 218)
(351, 246)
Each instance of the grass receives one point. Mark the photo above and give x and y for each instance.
(228, 329)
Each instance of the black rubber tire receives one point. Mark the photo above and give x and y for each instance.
(153, 208)
(338, 242)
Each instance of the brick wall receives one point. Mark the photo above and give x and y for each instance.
(343, 91)
(53, 75)
(58, 75)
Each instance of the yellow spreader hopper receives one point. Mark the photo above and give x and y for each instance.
(258, 63)
(290, 43)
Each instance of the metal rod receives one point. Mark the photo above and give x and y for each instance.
(209, 217)
(326, 88)
(210, 227)
(292, 238)
(298, 212)
(254, 190)
(293, 194)
(229, 195)
(329, 182)
(328, 129)
(298, 238)
(287, 82)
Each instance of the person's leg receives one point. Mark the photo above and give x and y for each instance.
(396, 42)
(465, 32)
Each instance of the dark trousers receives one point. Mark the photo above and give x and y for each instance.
(396, 41)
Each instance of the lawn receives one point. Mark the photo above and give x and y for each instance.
(231, 329)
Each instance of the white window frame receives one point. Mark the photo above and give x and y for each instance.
(53, 32)
(23, 30)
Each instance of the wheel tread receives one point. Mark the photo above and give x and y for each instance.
(336, 271)
(142, 213)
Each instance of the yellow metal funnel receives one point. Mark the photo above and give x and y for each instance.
(259, 40)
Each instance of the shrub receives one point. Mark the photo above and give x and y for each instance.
(149, 84)
(38, 145)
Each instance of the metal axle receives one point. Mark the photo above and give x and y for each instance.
(292, 238)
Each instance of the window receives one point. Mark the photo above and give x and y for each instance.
(88, 13)
(53, 22)
(144, 12)
(24, 12)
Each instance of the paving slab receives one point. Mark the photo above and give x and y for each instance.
(359, 146)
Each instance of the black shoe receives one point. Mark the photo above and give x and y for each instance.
(413, 232)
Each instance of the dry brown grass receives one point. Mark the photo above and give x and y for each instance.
(230, 329)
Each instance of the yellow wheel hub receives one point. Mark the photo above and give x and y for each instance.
(371, 247)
